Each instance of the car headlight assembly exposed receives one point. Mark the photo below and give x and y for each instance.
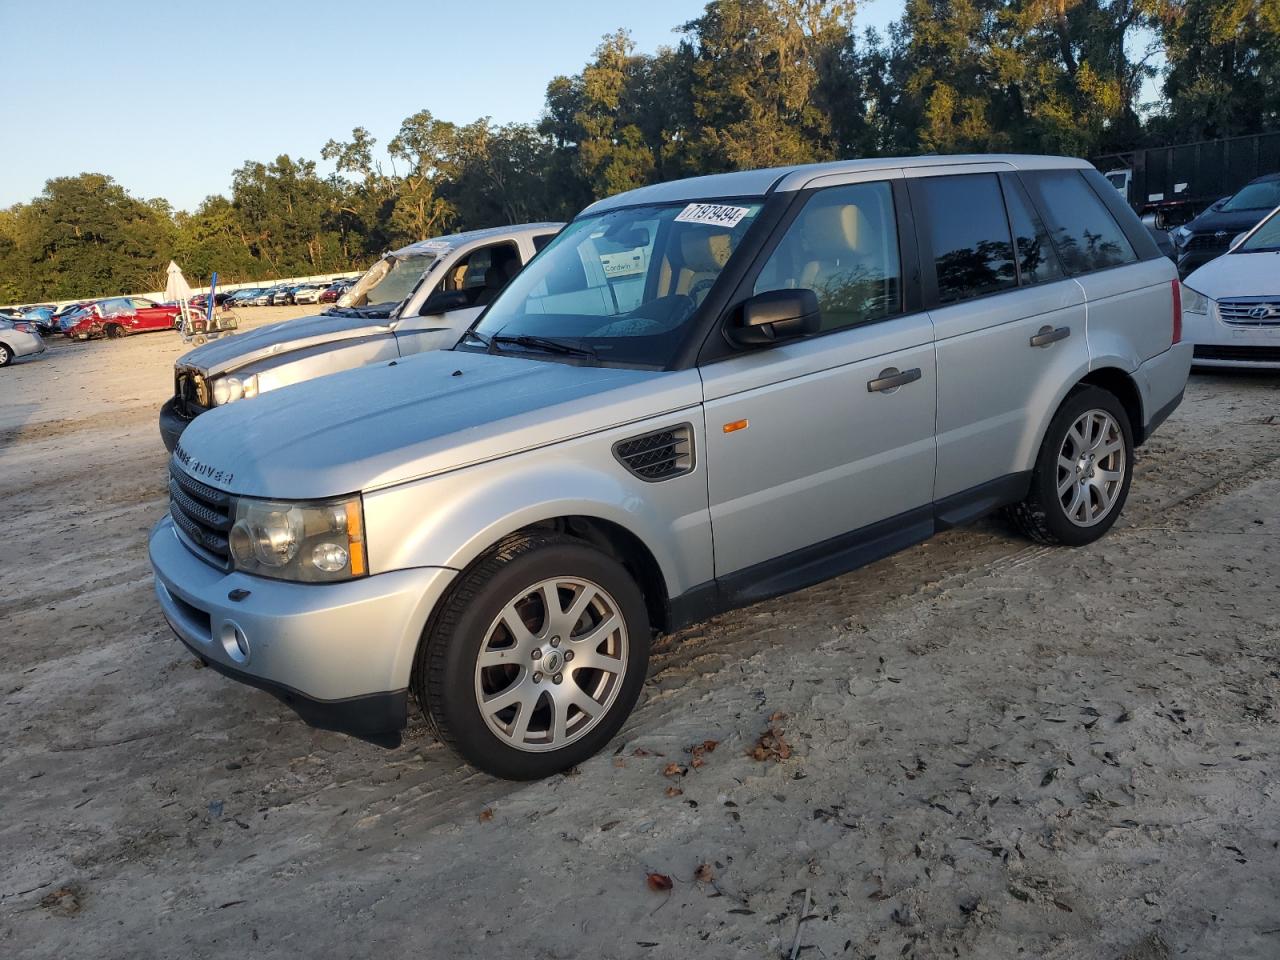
(1193, 301)
(308, 542)
(1181, 236)
(230, 389)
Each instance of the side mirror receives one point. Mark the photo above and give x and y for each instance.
(775, 316)
(443, 302)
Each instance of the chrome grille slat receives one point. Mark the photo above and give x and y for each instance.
(1237, 310)
(202, 514)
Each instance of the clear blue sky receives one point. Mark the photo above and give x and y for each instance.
(169, 98)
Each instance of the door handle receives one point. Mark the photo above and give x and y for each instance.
(892, 378)
(1048, 335)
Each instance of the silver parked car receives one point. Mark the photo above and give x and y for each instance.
(700, 395)
(421, 297)
(19, 338)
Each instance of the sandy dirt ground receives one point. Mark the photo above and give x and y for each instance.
(978, 748)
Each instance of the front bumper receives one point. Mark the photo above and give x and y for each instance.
(1242, 346)
(171, 424)
(340, 654)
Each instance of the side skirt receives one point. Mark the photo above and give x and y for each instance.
(841, 554)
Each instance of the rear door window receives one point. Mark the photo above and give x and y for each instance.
(1083, 231)
(1037, 260)
(969, 235)
(844, 247)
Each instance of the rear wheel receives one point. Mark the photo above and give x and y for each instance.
(536, 657)
(115, 331)
(1082, 473)
(6, 355)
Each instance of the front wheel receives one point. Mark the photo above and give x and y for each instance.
(1082, 473)
(6, 355)
(536, 657)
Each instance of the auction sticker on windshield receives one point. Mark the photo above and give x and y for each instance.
(713, 214)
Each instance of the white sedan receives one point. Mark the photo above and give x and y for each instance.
(18, 339)
(1231, 305)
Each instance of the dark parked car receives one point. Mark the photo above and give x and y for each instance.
(1209, 235)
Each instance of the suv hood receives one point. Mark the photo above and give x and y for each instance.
(1238, 275)
(1230, 222)
(378, 426)
(231, 353)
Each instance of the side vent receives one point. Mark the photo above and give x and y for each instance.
(659, 455)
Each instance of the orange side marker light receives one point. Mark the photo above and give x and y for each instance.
(736, 425)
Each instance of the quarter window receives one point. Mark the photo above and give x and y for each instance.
(1037, 260)
(1085, 234)
(972, 249)
(844, 247)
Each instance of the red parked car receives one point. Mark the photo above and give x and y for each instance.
(118, 316)
(331, 293)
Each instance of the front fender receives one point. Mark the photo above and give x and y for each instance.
(451, 519)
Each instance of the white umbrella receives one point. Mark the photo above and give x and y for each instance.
(177, 290)
(176, 287)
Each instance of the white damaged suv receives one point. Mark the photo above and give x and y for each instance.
(702, 394)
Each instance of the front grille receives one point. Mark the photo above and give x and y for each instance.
(188, 388)
(1248, 354)
(1241, 310)
(203, 514)
(1208, 241)
(659, 455)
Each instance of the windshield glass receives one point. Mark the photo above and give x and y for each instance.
(620, 286)
(388, 281)
(1265, 239)
(1256, 196)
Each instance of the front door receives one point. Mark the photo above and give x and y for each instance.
(821, 451)
(462, 291)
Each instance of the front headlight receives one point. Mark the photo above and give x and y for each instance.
(1181, 236)
(1193, 301)
(229, 389)
(310, 542)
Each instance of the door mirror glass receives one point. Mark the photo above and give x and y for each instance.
(775, 316)
(443, 301)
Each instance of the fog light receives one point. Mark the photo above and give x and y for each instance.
(234, 642)
(329, 557)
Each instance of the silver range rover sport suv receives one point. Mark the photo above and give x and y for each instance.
(700, 395)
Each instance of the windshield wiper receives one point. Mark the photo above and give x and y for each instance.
(545, 343)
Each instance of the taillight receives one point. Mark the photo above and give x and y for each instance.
(1177, 312)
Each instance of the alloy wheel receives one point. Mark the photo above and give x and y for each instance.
(551, 664)
(1091, 468)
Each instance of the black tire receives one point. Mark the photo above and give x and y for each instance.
(1042, 516)
(114, 331)
(6, 355)
(444, 676)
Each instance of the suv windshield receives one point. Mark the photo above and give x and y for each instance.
(388, 281)
(1266, 239)
(1256, 196)
(621, 286)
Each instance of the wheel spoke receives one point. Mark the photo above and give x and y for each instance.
(519, 692)
(591, 659)
(1110, 447)
(599, 632)
(578, 607)
(1104, 499)
(1110, 476)
(505, 656)
(1077, 439)
(1065, 484)
(515, 626)
(1077, 498)
(520, 724)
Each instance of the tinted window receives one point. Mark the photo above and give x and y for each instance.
(1084, 233)
(1036, 257)
(972, 250)
(540, 240)
(844, 247)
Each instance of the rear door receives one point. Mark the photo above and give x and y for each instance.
(813, 455)
(1009, 325)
